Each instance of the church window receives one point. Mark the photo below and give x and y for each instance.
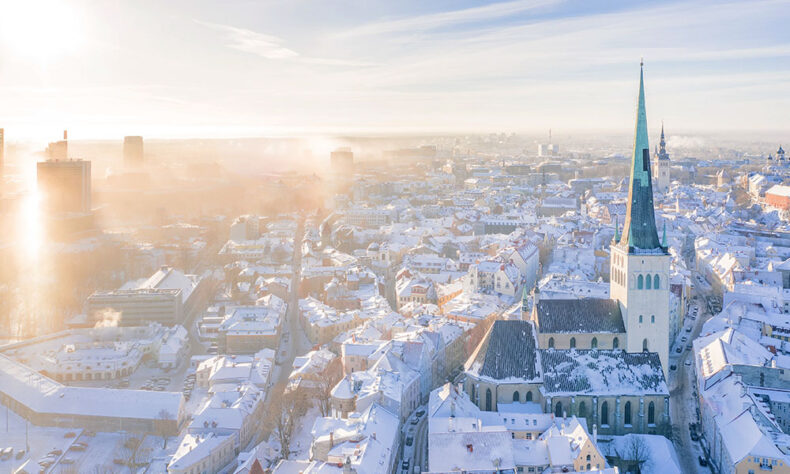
(516, 396)
(573, 343)
(558, 409)
(644, 345)
(640, 318)
(627, 414)
(605, 413)
(551, 343)
(488, 399)
(656, 282)
(640, 282)
(582, 410)
(594, 343)
(653, 318)
(651, 414)
(615, 343)
(529, 396)
(649, 282)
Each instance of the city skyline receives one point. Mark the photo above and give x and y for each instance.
(186, 69)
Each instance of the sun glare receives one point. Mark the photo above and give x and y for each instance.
(40, 30)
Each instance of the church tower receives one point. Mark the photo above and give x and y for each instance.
(639, 265)
(662, 165)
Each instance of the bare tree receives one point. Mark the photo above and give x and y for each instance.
(283, 413)
(162, 425)
(326, 383)
(634, 453)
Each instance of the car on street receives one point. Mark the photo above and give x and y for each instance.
(679, 349)
(702, 461)
(409, 441)
(420, 412)
(414, 421)
(405, 465)
(673, 367)
(687, 363)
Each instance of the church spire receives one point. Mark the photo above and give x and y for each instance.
(639, 230)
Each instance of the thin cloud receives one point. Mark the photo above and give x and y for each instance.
(252, 42)
(439, 20)
(270, 46)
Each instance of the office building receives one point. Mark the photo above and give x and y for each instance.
(133, 151)
(64, 185)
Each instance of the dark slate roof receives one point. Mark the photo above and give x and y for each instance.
(601, 372)
(583, 315)
(508, 351)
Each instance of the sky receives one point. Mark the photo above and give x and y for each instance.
(192, 68)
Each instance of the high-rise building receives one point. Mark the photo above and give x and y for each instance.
(59, 150)
(2, 148)
(133, 151)
(64, 185)
(342, 160)
(639, 259)
(662, 164)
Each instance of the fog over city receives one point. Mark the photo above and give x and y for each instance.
(358, 237)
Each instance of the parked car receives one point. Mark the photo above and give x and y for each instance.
(687, 363)
(673, 367)
(409, 441)
(420, 412)
(702, 461)
(679, 349)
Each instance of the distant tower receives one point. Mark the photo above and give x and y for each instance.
(780, 154)
(133, 151)
(59, 150)
(662, 165)
(639, 265)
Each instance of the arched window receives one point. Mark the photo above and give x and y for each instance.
(594, 343)
(649, 282)
(551, 343)
(615, 343)
(640, 282)
(627, 414)
(582, 410)
(516, 396)
(651, 414)
(529, 396)
(644, 345)
(604, 413)
(653, 318)
(640, 318)
(656, 282)
(573, 343)
(488, 399)
(558, 409)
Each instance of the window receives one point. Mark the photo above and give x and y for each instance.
(551, 343)
(588, 458)
(516, 396)
(558, 409)
(640, 318)
(488, 399)
(651, 414)
(648, 282)
(573, 343)
(615, 343)
(653, 318)
(605, 413)
(644, 345)
(656, 282)
(640, 282)
(529, 396)
(594, 343)
(582, 410)
(627, 414)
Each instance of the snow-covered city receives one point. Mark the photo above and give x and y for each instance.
(507, 302)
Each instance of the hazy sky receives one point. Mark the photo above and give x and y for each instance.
(107, 68)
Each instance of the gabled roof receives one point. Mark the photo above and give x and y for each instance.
(585, 315)
(508, 352)
(601, 372)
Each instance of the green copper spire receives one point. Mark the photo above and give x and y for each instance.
(664, 237)
(639, 230)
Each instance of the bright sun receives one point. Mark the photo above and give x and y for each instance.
(40, 30)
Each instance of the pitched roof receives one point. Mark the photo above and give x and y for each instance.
(601, 372)
(508, 351)
(585, 315)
